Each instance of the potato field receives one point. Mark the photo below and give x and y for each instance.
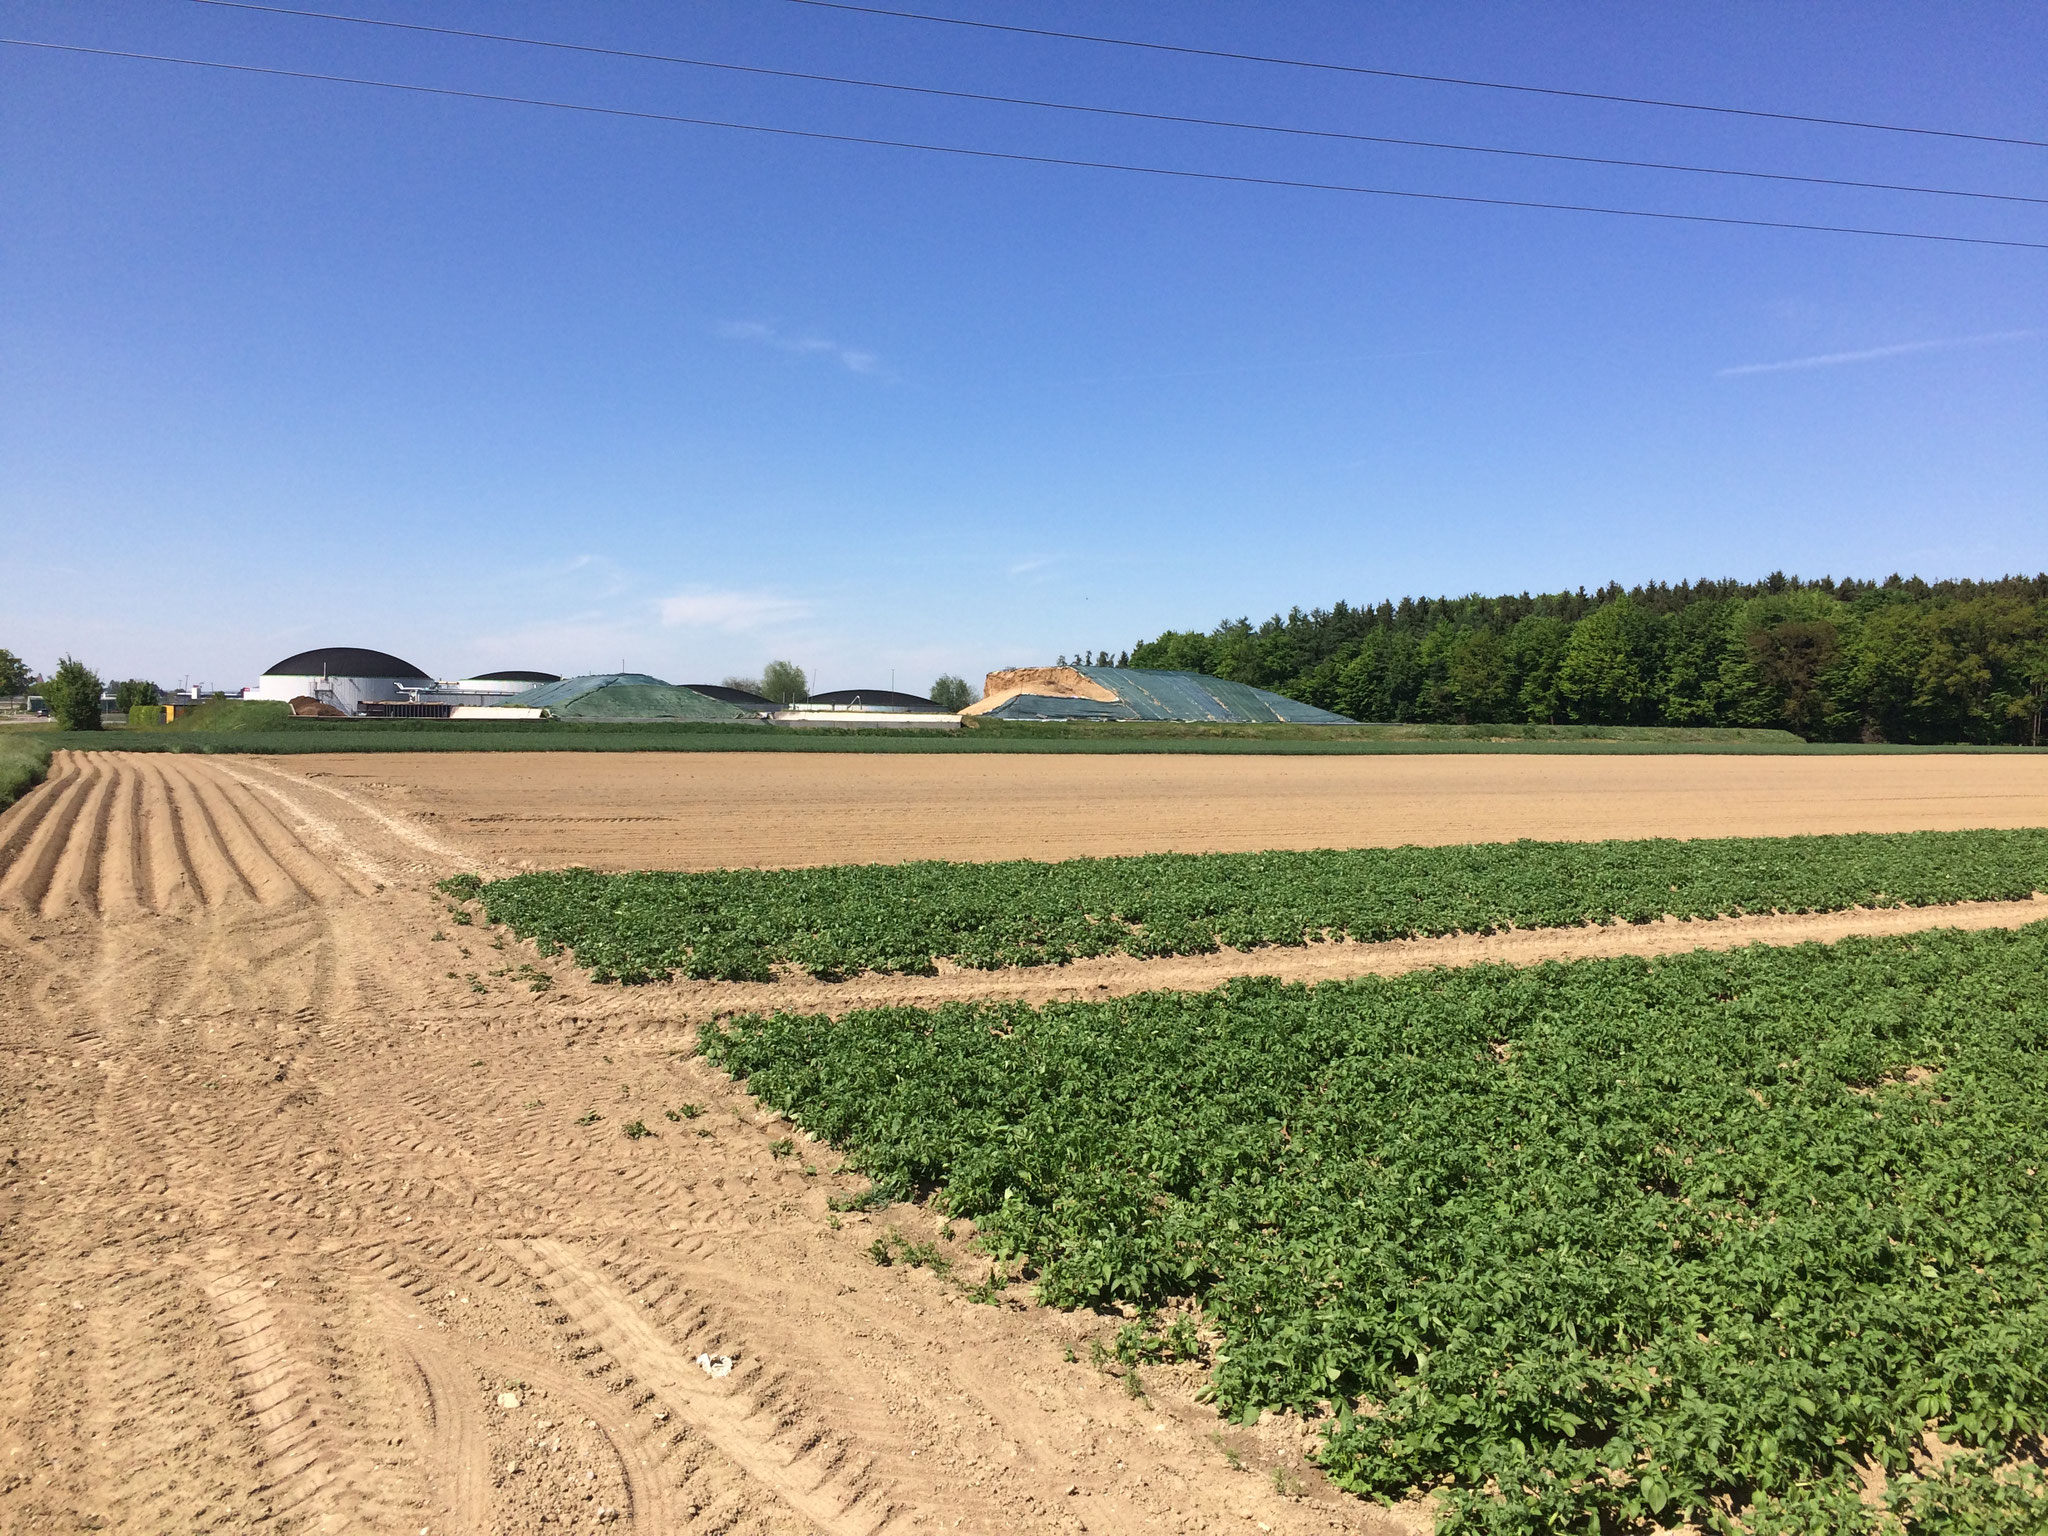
(738, 924)
(389, 1205)
(1593, 1247)
(1752, 1239)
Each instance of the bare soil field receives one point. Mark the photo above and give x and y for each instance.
(316, 1216)
(301, 1227)
(662, 810)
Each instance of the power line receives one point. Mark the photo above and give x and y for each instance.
(1121, 112)
(1026, 159)
(1399, 74)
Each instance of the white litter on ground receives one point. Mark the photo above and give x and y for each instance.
(716, 1366)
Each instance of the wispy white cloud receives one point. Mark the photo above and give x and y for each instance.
(1873, 354)
(595, 576)
(1036, 563)
(733, 612)
(591, 574)
(853, 359)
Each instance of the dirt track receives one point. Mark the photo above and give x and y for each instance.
(290, 1200)
(681, 810)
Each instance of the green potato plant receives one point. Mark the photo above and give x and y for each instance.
(741, 924)
(1600, 1246)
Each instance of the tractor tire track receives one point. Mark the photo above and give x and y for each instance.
(737, 1416)
(358, 1240)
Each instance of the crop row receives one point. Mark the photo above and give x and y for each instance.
(739, 924)
(1577, 1246)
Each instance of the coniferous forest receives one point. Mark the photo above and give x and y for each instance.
(1899, 660)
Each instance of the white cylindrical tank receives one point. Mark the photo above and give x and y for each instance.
(345, 676)
(498, 684)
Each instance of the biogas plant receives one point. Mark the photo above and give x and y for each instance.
(351, 682)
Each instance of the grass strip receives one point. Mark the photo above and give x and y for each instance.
(739, 924)
(216, 717)
(24, 761)
(268, 733)
(1598, 1246)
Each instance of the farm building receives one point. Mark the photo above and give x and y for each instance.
(1134, 693)
(626, 696)
(343, 677)
(489, 692)
(498, 684)
(867, 709)
(739, 697)
(874, 698)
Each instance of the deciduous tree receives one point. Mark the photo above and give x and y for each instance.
(951, 693)
(785, 683)
(1605, 676)
(73, 692)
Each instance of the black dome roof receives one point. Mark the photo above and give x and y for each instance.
(726, 695)
(876, 698)
(343, 661)
(515, 677)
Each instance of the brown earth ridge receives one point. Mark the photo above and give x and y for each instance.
(316, 1215)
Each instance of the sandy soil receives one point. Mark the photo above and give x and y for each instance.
(706, 810)
(300, 1229)
(314, 1219)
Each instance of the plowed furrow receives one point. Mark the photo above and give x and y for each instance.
(281, 838)
(255, 868)
(214, 870)
(444, 855)
(54, 812)
(18, 825)
(326, 841)
(173, 877)
(124, 881)
(75, 879)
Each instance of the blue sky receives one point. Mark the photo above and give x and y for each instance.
(286, 363)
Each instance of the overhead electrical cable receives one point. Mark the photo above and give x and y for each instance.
(1120, 112)
(1401, 74)
(1018, 157)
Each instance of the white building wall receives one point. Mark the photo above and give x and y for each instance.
(344, 693)
(503, 686)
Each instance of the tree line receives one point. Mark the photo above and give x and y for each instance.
(74, 692)
(1898, 660)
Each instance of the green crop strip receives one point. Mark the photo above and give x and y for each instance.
(1587, 1247)
(739, 924)
(24, 761)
